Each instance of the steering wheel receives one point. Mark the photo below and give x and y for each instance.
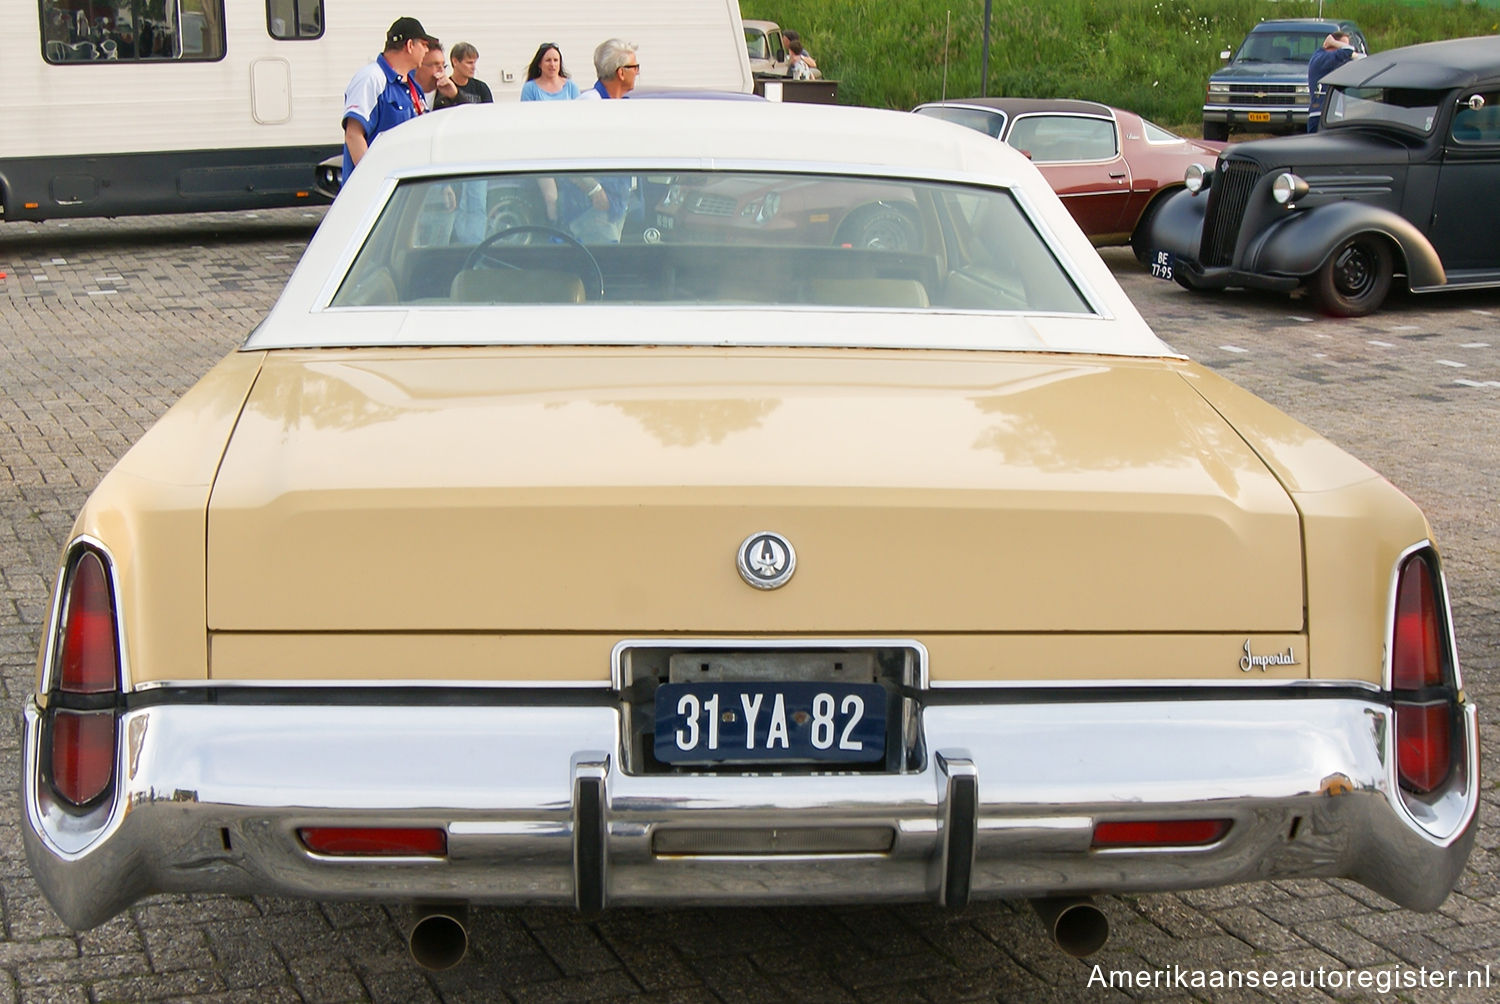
(485, 251)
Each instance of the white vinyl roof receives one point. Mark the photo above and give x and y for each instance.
(686, 128)
(662, 135)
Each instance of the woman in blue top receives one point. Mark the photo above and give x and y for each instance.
(546, 80)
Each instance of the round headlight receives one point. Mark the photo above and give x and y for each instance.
(1197, 178)
(1288, 188)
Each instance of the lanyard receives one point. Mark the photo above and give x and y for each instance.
(416, 96)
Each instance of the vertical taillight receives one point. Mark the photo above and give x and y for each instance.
(89, 660)
(83, 754)
(1424, 700)
(81, 712)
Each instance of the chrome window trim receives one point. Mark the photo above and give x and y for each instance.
(617, 676)
(337, 274)
(346, 256)
(1119, 138)
(1147, 125)
(709, 308)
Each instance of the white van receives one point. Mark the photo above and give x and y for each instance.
(160, 106)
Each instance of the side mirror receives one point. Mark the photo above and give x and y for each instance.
(1224, 56)
(1473, 102)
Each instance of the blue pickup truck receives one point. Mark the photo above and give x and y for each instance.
(1263, 86)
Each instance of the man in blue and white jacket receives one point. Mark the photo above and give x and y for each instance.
(1336, 51)
(382, 94)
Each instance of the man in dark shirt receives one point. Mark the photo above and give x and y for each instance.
(1336, 51)
(471, 90)
(468, 200)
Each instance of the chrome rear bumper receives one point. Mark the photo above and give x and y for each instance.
(538, 811)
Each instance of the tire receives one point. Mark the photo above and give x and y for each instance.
(882, 226)
(1216, 131)
(1356, 278)
(1139, 237)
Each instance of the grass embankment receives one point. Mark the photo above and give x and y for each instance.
(1151, 56)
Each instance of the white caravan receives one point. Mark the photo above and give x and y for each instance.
(115, 107)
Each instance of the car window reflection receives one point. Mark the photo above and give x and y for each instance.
(707, 237)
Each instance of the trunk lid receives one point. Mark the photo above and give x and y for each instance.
(566, 490)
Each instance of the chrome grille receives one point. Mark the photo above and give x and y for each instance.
(1266, 94)
(714, 205)
(1227, 199)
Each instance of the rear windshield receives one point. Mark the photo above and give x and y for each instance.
(707, 237)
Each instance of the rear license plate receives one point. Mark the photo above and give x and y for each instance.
(1259, 116)
(764, 722)
(1161, 264)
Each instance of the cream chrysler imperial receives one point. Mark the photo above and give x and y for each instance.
(763, 504)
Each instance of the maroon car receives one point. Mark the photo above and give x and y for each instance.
(1111, 167)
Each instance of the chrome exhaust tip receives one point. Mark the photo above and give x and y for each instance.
(1075, 923)
(439, 935)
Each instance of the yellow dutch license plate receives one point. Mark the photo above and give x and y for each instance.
(1259, 116)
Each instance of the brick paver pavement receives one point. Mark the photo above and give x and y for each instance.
(104, 323)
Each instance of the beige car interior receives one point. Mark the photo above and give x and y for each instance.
(844, 242)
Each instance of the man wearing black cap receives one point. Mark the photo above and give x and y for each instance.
(382, 96)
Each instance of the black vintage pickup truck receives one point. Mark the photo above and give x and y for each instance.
(1402, 181)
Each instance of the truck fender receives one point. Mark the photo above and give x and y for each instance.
(1302, 242)
(1177, 224)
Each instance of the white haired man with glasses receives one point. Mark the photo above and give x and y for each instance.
(618, 68)
(607, 198)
